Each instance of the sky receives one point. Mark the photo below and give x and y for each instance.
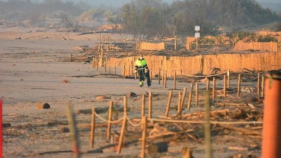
(118, 3)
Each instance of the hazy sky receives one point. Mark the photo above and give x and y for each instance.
(118, 3)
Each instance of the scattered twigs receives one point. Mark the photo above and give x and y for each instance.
(241, 130)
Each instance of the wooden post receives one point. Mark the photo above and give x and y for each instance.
(70, 57)
(163, 77)
(122, 133)
(109, 120)
(115, 68)
(214, 88)
(165, 82)
(125, 111)
(129, 70)
(150, 105)
(258, 84)
(97, 64)
(143, 105)
(168, 103)
(124, 71)
(105, 67)
(228, 79)
(183, 97)
(179, 104)
(93, 123)
(262, 86)
(207, 84)
(174, 87)
(159, 75)
(196, 94)
(74, 131)
(109, 67)
(207, 126)
(224, 85)
(190, 97)
(238, 85)
(144, 120)
(150, 75)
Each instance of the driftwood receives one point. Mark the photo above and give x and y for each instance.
(242, 130)
(237, 148)
(224, 111)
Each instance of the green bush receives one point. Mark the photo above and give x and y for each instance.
(267, 38)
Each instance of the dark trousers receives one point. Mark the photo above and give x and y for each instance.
(141, 74)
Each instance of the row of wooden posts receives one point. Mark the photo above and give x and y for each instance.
(181, 100)
(143, 122)
(226, 80)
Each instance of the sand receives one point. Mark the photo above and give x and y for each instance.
(32, 71)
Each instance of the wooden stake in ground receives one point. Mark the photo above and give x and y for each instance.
(73, 130)
(168, 103)
(125, 110)
(207, 126)
(93, 123)
(122, 133)
(174, 86)
(150, 105)
(228, 79)
(115, 68)
(183, 97)
(190, 97)
(238, 85)
(163, 77)
(143, 105)
(258, 84)
(207, 84)
(262, 86)
(214, 88)
(144, 120)
(150, 75)
(186, 152)
(165, 80)
(159, 75)
(196, 94)
(109, 68)
(224, 85)
(124, 71)
(179, 104)
(109, 120)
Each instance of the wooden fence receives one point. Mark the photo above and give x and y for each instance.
(203, 64)
(152, 46)
(262, 46)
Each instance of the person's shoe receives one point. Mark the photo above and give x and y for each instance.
(148, 85)
(141, 83)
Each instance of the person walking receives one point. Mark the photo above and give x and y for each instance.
(142, 69)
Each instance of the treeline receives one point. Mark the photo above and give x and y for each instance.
(151, 18)
(148, 18)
